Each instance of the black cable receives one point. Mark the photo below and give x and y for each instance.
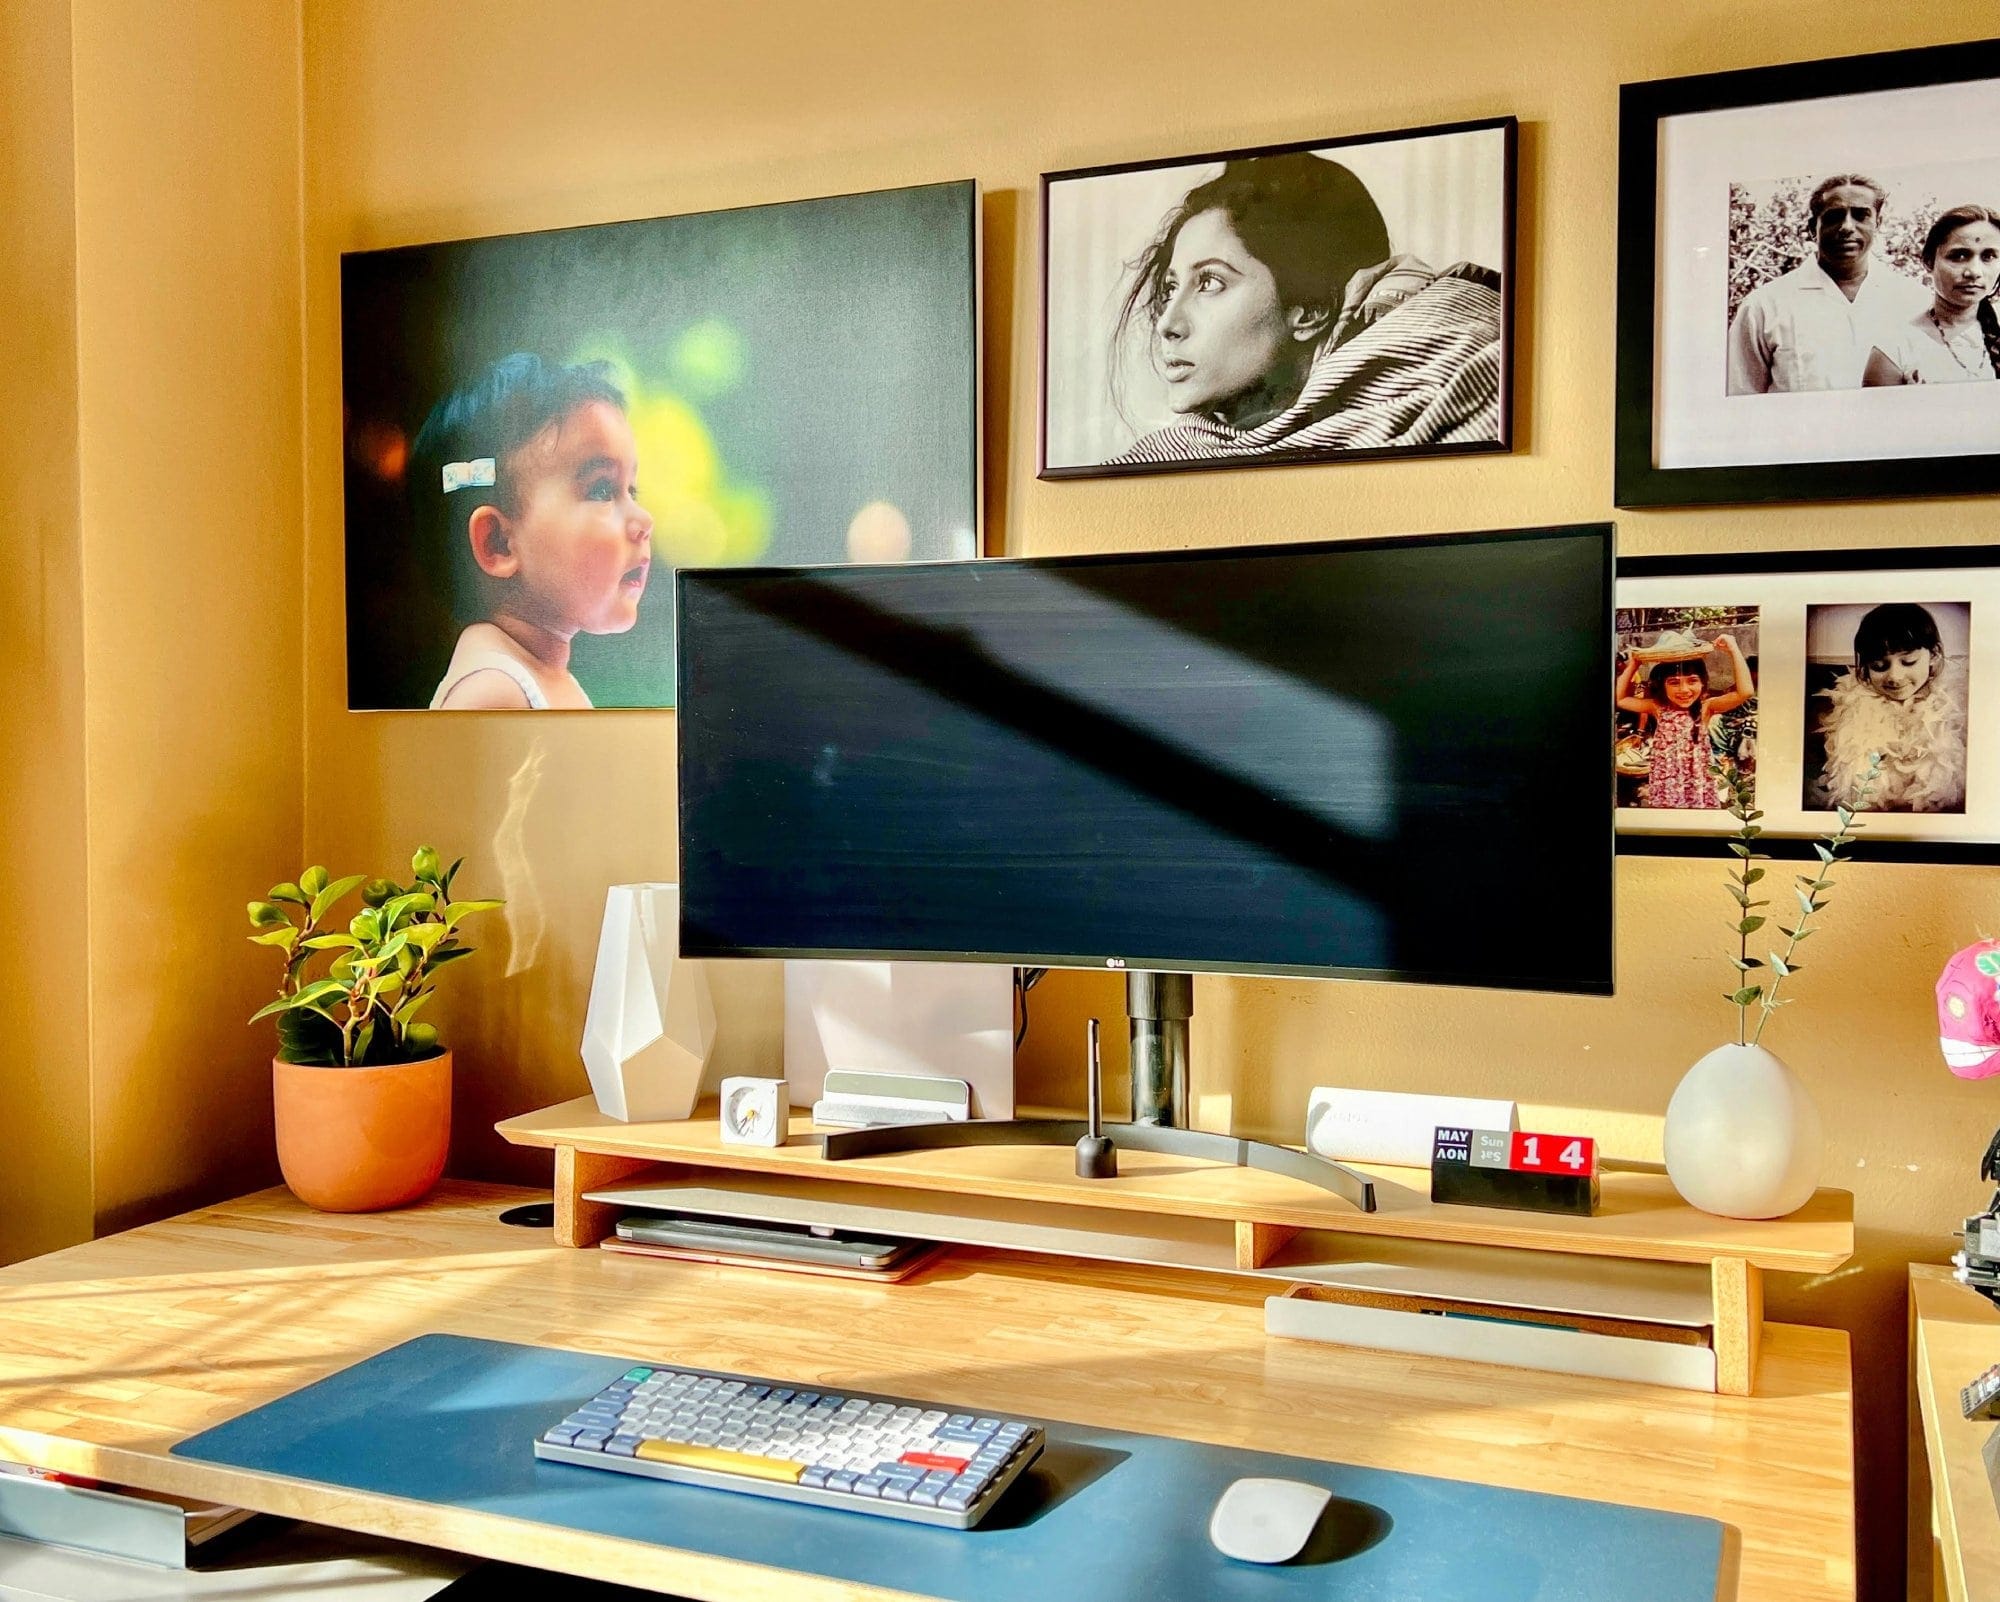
(1025, 979)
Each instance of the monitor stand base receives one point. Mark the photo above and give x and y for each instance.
(1317, 1171)
(1159, 1006)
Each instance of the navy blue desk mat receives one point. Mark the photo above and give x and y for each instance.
(1104, 1514)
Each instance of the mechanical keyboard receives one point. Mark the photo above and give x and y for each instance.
(886, 1455)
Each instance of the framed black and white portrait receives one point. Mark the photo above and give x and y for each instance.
(1829, 678)
(1887, 679)
(1808, 258)
(1320, 301)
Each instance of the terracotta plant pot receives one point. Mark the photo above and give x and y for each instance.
(357, 1140)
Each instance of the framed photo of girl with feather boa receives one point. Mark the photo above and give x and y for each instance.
(1871, 678)
(1321, 301)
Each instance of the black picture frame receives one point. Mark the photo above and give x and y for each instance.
(1503, 439)
(1789, 590)
(1641, 330)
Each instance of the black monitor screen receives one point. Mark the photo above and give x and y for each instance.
(1381, 758)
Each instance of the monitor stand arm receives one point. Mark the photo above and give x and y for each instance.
(1160, 1005)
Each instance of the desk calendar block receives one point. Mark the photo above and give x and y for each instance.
(1515, 1168)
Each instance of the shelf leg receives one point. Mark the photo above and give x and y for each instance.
(580, 1222)
(1739, 1324)
(1257, 1244)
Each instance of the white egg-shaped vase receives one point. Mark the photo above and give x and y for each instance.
(1742, 1137)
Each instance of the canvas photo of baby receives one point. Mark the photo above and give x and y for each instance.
(1887, 680)
(541, 429)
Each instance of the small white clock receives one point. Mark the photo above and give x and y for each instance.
(755, 1112)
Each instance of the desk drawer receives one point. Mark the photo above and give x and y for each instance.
(109, 1521)
(1657, 1355)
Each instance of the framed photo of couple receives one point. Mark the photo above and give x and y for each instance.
(1808, 256)
(1798, 670)
(1322, 301)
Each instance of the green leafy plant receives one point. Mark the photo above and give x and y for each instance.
(382, 964)
(1810, 890)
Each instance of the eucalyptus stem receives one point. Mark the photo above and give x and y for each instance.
(1809, 891)
(1743, 958)
(1739, 806)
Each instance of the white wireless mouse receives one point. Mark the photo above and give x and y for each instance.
(1266, 1521)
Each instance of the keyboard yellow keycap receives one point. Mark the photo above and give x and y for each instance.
(685, 1455)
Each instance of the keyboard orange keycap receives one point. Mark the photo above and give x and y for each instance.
(683, 1454)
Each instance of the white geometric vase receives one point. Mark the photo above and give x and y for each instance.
(651, 1022)
(1742, 1137)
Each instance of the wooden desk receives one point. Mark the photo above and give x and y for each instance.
(112, 1351)
(1954, 1337)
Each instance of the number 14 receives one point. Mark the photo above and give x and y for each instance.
(1576, 1154)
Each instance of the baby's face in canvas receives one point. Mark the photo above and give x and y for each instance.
(1901, 675)
(583, 541)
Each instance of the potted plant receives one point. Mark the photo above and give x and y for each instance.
(360, 1086)
(1742, 1136)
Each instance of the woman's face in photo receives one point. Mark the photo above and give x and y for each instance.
(1220, 336)
(1901, 675)
(1967, 265)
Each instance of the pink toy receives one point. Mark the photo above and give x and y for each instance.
(1969, 1011)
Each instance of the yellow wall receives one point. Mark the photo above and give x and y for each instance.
(188, 296)
(153, 643)
(423, 123)
(44, 1026)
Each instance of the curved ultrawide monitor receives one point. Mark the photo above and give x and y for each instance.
(1369, 759)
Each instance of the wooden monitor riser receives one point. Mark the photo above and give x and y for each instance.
(1651, 1246)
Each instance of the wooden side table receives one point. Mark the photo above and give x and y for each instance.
(1954, 1337)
